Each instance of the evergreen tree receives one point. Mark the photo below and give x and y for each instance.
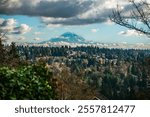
(13, 51)
(2, 51)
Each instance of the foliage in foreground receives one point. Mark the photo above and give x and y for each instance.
(30, 82)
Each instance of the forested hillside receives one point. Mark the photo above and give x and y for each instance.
(29, 72)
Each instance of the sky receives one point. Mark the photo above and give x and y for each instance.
(40, 20)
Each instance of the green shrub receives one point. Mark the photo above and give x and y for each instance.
(29, 82)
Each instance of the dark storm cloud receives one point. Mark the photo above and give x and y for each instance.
(72, 21)
(51, 8)
(60, 12)
(83, 19)
(63, 12)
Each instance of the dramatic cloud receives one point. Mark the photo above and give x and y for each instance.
(22, 29)
(70, 21)
(129, 33)
(7, 25)
(64, 12)
(48, 8)
(61, 12)
(98, 12)
(8, 22)
(10, 26)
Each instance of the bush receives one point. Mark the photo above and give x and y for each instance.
(29, 82)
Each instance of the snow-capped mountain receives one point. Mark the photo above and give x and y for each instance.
(68, 37)
(74, 40)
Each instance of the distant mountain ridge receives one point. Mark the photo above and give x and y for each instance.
(68, 37)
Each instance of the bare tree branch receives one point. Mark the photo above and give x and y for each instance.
(3, 36)
(138, 18)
